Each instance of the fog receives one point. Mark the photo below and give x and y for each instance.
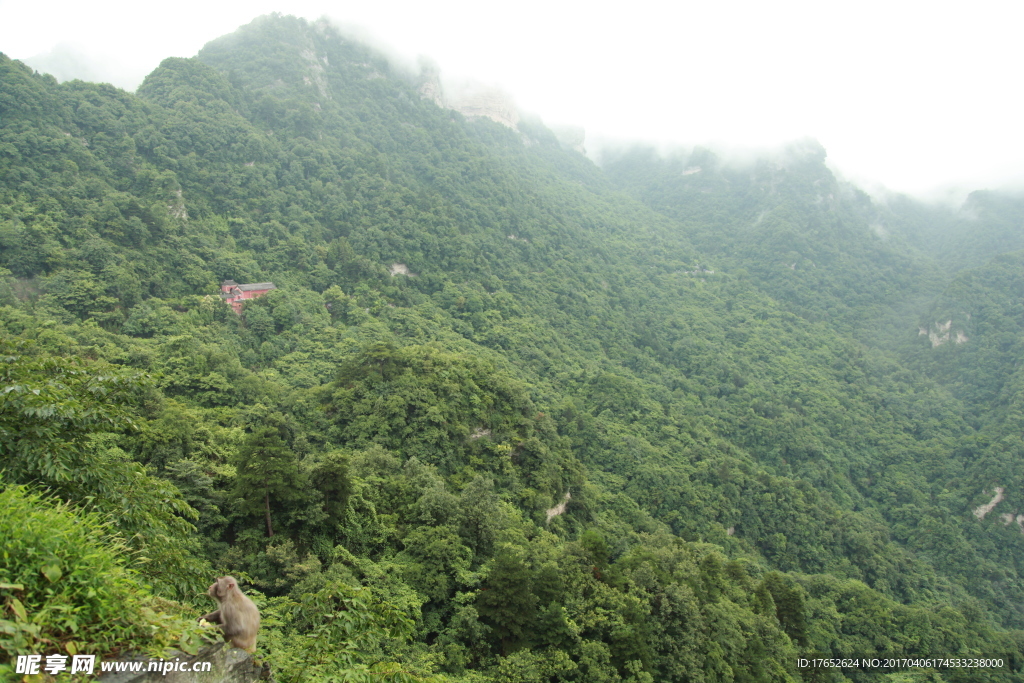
(914, 97)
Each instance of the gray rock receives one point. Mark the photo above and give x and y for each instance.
(226, 665)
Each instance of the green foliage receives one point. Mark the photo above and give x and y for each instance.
(48, 409)
(508, 603)
(507, 415)
(459, 413)
(67, 588)
(55, 414)
(267, 470)
(335, 635)
(789, 606)
(331, 478)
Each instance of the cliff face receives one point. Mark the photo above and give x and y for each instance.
(471, 99)
(430, 83)
(478, 100)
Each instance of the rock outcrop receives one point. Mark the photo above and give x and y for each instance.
(317, 73)
(939, 333)
(226, 665)
(430, 83)
(471, 99)
(998, 498)
(476, 100)
(560, 508)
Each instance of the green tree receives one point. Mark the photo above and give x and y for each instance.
(67, 587)
(789, 606)
(267, 470)
(336, 634)
(58, 417)
(507, 602)
(330, 476)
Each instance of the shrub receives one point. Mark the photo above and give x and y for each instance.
(64, 586)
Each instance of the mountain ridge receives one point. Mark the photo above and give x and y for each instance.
(722, 366)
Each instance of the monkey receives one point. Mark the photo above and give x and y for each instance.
(237, 617)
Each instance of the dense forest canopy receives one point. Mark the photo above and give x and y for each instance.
(507, 415)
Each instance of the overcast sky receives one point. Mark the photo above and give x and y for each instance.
(916, 96)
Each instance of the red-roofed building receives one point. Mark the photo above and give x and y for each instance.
(235, 294)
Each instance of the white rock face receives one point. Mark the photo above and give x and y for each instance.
(471, 98)
(940, 333)
(177, 206)
(983, 510)
(317, 73)
(560, 508)
(1009, 519)
(476, 100)
(430, 83)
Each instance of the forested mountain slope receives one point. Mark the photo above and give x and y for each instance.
(506, 416)
(818, 245)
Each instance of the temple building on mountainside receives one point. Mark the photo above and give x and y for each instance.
(234, 293)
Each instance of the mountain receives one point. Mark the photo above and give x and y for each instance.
(506, 415)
